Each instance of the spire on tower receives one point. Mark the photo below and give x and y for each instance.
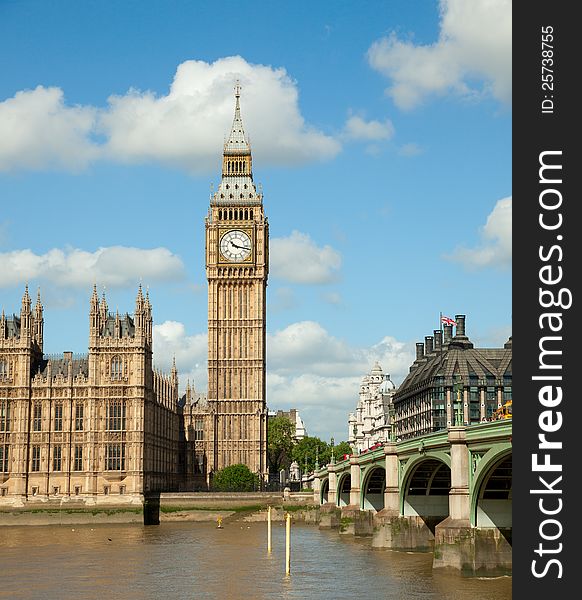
(26, 299)
(237, 141)
(38, 306)
(139, 301)
(94, 300)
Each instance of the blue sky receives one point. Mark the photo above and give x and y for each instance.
(381, 134)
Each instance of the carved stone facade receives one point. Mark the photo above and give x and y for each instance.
(371, 422)
(237, 260)
(103, 426)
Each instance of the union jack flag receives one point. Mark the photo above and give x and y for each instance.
(448, 321)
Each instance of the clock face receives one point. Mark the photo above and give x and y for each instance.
(235, 245)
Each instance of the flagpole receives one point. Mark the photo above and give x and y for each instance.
(441, 328)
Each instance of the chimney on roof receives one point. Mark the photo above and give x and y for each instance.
(460, 320)
(419, 350)
(448, 334)
(461, 340)
(428, 340)
(438, 339)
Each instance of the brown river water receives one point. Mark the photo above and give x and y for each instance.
(183, 561)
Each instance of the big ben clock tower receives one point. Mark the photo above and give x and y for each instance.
(237, 262)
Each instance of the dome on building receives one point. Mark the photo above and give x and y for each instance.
(387, 385)
(376, 369)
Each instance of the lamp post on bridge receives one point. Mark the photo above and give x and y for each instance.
(457, 389)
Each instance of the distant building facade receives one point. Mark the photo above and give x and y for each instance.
(105, 424)
(452, 383)
(371, 422)
(293, 415)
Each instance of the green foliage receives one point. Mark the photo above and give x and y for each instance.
(341, 449)
(279, 443)
(235, 478)
(306, 451)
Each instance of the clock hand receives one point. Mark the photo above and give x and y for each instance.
(239, 247)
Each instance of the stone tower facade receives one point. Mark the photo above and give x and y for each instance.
(237, 260)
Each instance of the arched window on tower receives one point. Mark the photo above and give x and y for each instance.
(116, 368)
(3, 367)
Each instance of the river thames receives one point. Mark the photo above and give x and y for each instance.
(184, 561)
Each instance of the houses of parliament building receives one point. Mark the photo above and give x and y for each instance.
(107, 425)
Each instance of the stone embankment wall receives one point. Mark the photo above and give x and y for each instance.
(194, 506)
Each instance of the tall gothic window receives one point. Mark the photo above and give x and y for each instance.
(58, 417)
(3, 459)
(116, 368)
(35, 465)
(115, 457)
(3, 368)
(4, 415)
(78, 417)
(37, 417)
(78, 465)
(116, 415)
(57, 458)
(198, 429)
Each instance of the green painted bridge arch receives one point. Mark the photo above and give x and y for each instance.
(425, 486)
(449, 491)
(373, 486)
(344, 488)
(473, 461)
(491, 487)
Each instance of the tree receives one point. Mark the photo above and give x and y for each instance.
(235, 478)
(307, 450)
(340, 450)
(280, 431)
(310, 448)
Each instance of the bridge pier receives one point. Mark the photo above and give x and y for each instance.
(317, 489)
(354, 521)
(480, 551)
(390, 528)
(329, 516)
(458, 545)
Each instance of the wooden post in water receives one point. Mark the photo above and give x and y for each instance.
(288, 544)
(269, 530)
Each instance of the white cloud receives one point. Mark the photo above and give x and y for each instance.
(184, 128)
(333, 298)
(298, 259)
(357, 128)
(307, 368)
(410, 149)
(191, 352)
(495, 247)
(474, 45)
(319, 374)
(115, 266)
(38, 131)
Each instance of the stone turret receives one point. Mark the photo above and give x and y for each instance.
(38, 322)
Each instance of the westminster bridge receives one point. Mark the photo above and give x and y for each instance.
(448, 492)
